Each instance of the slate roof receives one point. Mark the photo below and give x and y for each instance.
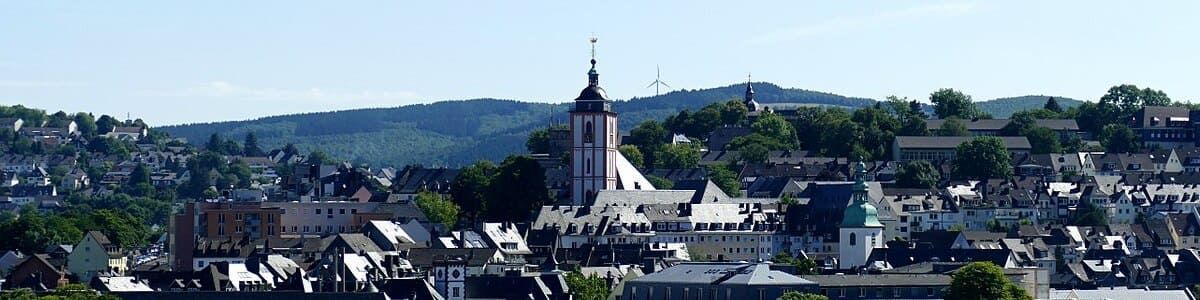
(1121, 293)
(99, 237)
(903, 256)
(1145, 117)
(880, 280)
(719, 138)
(424, 257)
(950, 142)
(723, 274)
(997, 124)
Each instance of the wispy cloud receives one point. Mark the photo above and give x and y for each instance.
(226, 90)
(848, 23)
(5, 83)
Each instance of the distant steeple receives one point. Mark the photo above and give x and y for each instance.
(751, 105)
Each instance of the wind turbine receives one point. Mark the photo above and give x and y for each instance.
(657, 80)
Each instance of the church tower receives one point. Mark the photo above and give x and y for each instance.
(861, 231)
(748, 100)
(593, 141)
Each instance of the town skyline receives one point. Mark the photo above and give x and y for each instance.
(173, 64)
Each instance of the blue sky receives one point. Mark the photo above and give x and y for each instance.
(170, 62)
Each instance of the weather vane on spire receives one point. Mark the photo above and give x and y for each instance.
(593, 40)
(747, 76)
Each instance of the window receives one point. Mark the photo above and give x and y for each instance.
(455, 292)
(853, 239)
(589, 135)
(342, 211)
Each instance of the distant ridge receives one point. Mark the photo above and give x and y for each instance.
(458, 132)
(1005, 107)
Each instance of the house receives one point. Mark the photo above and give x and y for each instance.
(95, 255)
(117, 284)
(36, 272)
(133, 133)
(389, 235)
(9, 260)
(12, 123)
(716, 280)
(77, 179)
(1164, 126)
(942, 148)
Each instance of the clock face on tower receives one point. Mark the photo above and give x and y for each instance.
(455, 274)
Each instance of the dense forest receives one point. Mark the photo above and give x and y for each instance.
(456, 133)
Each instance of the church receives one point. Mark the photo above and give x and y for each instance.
(612, 203)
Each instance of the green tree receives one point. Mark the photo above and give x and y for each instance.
(983, 280)
(753, 153)
(1119, 138)
(794, 295)
(878, 132)
(677, 156)
(1043, 140)
(437, 209)
(660, 183)
(18, 294)
(648, 136)
(108, 146)
(840, 138)
(538, 141)
(1093, 117)
(318, 157)
(982, 158)
(469, 189)
(953, 126)
(250, 146)
(951, 103)
(1128, 98)
(140, 174)
(517, 190)
(775, 127)
(589, 287)
(917, 174)
(733, 112)
(1052, 105)
(215, 144)
(634, 155)
(803, 266)
(726, 179)
(86, 123)
(1018, 125)
(1088, 214)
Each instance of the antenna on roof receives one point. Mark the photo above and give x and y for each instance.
(657, 80)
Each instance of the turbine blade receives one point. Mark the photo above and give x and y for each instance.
(665, 84)
(652, 84)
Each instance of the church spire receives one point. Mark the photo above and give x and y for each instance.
(593, 76)
(751, 105)
(860, 212)
(593, 90)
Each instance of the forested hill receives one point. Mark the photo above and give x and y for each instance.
(1005, 107)
(454, 133)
